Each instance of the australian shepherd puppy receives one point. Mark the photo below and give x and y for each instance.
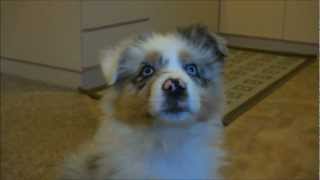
(162, 112)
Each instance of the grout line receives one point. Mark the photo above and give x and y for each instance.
(284, 15)
(81, 39)
(219, 16)
(281, 53)
(39, 64)
(268, 39)
(115, 25)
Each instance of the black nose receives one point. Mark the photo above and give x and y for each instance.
(174, 87)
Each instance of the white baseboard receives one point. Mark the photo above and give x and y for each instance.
(271, 45)
(52, 75)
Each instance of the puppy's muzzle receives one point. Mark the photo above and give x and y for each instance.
(174, 88)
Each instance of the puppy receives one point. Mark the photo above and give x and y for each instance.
(162, 112)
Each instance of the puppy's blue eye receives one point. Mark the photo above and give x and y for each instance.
(147, 71)
(191, 69)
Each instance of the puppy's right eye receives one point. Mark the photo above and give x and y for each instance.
(147, 71)
(191, 69)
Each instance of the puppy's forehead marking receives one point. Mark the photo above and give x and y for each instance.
(153, 57)
(185, 56)
(169, 47)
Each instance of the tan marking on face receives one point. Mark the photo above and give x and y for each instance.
(153, 57)
(132, 106)
(184, 55)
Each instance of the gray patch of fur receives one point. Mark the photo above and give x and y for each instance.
(199, 37)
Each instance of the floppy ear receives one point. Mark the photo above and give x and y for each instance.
(120, 61)
(221, 44)
(109, 64)
(110, 61)
(199, 36)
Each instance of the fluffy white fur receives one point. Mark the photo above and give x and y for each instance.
(157, 153)
(120, 151)
(149, 153)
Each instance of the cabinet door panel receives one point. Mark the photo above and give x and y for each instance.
(42, 32)
(257, 18)
(96, 13)
(164, 15)
(167, 15)
(301, 21)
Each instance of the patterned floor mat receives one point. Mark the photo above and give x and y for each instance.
(247, 73)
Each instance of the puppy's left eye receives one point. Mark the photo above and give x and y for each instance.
(191, 69)
(147, 71)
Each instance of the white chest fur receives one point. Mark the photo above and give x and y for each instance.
(162, 152)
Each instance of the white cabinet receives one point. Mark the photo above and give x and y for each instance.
(59, 41)
(163, 15)
(167, 15)
(41, 32)
(97, 13)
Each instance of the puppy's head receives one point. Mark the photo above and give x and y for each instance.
(171, 79)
